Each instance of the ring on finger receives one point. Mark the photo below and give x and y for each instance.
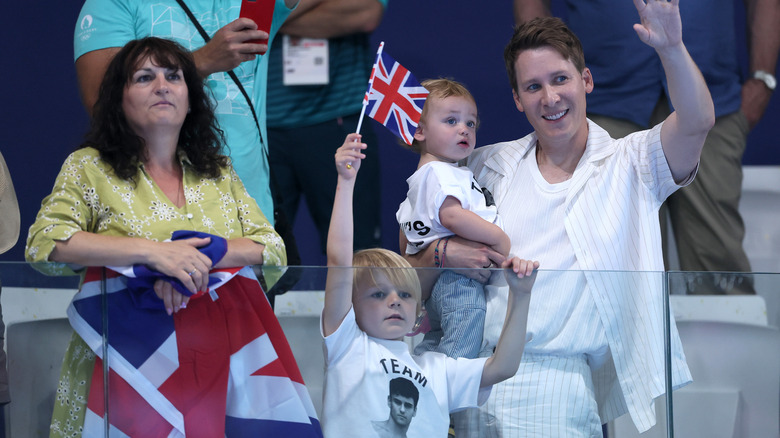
(192, 272)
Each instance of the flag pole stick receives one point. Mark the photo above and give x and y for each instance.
(360, 120)
(370, 84)
(368, 91)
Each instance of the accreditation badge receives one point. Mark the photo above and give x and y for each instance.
(305, 60)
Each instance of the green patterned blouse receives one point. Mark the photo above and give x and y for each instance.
(88, 196)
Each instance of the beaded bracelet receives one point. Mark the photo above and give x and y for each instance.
(436, 260)
(439, 262)
(444, 251)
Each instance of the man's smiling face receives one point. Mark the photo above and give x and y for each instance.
(551, 93)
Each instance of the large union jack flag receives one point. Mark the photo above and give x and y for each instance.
(220, 367)
(394, 97)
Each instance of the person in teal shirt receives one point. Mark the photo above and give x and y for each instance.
(303, 119)
(104, 26)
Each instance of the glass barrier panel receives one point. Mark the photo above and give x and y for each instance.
(732, 346)
(36, 334)
(230, 351)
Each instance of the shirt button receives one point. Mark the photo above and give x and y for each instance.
(189, 215)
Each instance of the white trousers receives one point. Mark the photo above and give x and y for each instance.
(549, 397)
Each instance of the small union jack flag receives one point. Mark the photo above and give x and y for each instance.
(394, 97)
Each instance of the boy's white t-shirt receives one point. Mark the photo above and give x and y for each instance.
(429, 186)
(358, 372)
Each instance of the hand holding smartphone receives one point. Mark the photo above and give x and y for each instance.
(261, 12)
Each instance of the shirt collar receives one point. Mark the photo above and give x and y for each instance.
(599, 146)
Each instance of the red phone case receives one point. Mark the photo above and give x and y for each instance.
(262, 13)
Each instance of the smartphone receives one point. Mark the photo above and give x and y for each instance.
(261, 12)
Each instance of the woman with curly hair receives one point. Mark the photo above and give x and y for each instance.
(150, 169)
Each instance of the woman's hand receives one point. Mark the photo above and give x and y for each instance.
(182, 260)
(173, 300)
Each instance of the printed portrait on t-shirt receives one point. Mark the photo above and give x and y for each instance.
(402, 402)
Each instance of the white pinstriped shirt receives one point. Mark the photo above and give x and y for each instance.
(611, 221)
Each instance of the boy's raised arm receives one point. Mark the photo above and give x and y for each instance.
(338, 286)
(520, 275)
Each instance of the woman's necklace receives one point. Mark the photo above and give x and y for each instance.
(178, 198)
(180, 188)
(180, 193)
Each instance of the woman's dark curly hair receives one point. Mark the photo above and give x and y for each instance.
(200, 137)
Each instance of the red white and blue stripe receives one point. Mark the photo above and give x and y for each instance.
(220, 367)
